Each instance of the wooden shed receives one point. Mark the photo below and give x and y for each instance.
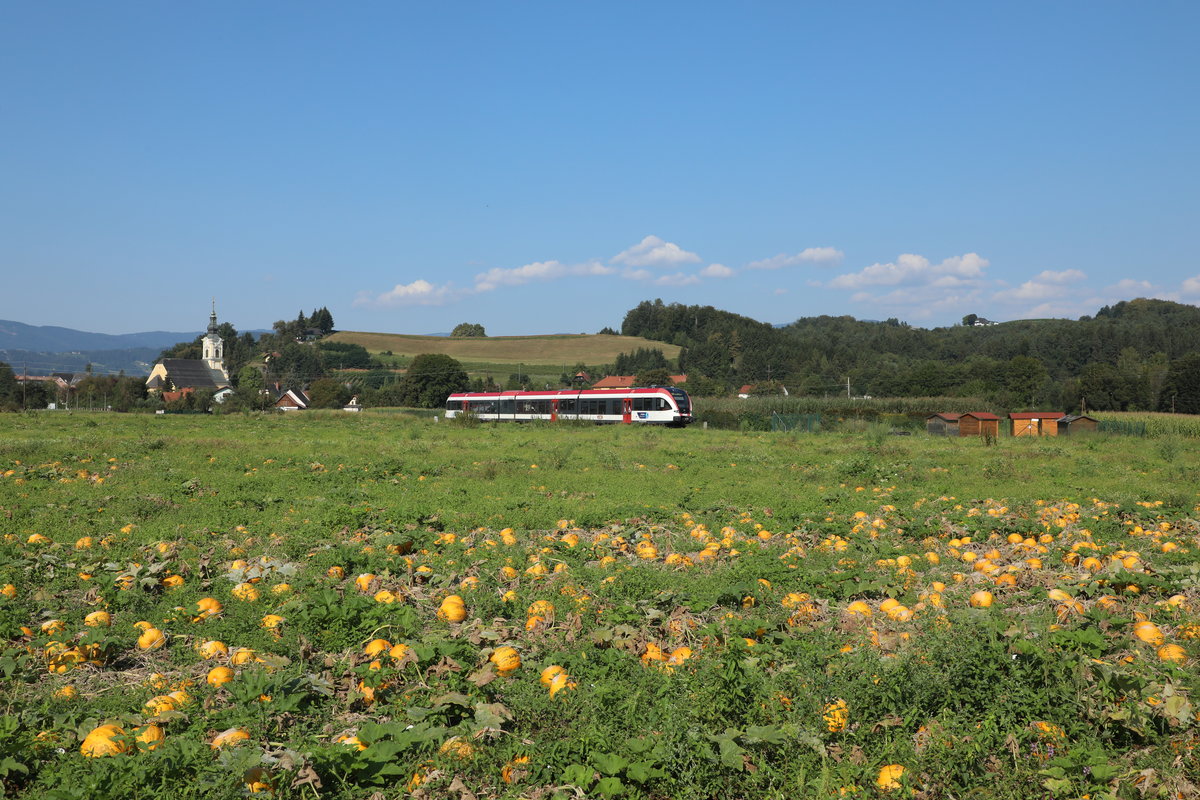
(1035, 423)
(942, 424)
(1077, 423)
(979, 423)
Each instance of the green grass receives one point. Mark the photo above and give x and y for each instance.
(638, 537)
(551, 350)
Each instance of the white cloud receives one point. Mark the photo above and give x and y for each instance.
(418, 293)
(910, 268)
(1191, 286)
(536, 271)
(919, 302)
(654, 252)
(1062, 308)
(824, 256)
(717, 271)
(1045, 286)
(779, 291)
(1061, 277)
(677, 279)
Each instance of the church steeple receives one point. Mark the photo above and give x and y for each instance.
(212, 347)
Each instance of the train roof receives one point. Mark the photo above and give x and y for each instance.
(567, 392)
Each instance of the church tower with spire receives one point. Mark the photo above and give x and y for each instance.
(212, 346)
(213, 349)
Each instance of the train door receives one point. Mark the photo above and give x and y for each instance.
(627, 410)
(554, 410)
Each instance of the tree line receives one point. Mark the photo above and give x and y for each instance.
(1135, 355)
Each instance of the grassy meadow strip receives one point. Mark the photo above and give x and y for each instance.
(344, 606)
(509, 351)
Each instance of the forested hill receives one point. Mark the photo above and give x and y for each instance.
(1137, 354)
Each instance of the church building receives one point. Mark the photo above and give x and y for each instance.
(206, 372)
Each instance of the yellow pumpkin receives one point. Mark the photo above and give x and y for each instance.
(889, 777)
(207, 607)
(149, 737)
(560, 682)
(377, 646)
(105, 740)
(245, 592)
(242, 656)
(1172, 652)
(981, 599)
(151, 639)
(219, 676)
(540, 608)
(452, 609)
(98, 619)
(679, 655)
(1148, 632)
(859, 608)
(549, 674)
(506, 659)
(229, 738)
(212, 649)
(257, 779)
(836, 715)
(458, 748)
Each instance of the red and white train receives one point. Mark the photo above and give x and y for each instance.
(654, 406)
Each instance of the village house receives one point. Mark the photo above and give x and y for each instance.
(628, 381)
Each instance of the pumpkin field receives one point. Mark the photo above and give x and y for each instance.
(330, 605)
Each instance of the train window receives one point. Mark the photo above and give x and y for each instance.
(662, 404)
(454, 405)
(508, 406)
(642, 404)
(566, 406)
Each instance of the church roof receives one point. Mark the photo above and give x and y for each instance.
(193, 372)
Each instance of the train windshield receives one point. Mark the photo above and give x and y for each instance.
(681, 399)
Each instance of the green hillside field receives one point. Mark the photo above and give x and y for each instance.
(553, 350)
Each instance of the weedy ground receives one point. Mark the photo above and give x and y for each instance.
(644, 612)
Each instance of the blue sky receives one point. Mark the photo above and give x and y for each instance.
(544, 167)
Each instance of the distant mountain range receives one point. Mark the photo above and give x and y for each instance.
(49, 338)
(42, 349)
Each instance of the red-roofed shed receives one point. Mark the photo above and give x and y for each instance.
(1035, 423)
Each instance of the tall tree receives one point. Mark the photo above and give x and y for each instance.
(468, 330)
(1181, 389)
(431, 378)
